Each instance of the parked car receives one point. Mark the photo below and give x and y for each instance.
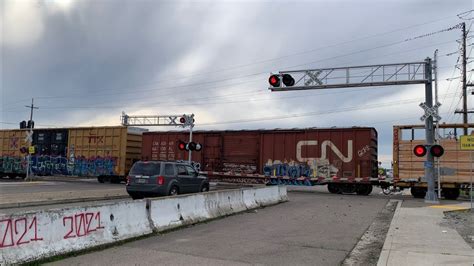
(162, 178)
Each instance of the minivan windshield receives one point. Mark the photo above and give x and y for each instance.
(145, 168)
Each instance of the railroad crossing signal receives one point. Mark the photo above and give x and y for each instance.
(419, 150)
(187, 120)
(158, 120)
(435, 150)
(191, 146)
(275, 80)
(430, 111)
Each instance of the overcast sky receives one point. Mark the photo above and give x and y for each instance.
(84, 62)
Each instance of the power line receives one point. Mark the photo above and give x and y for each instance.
(339, 110)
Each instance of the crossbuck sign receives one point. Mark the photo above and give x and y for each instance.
(29, 137)
(433, 111)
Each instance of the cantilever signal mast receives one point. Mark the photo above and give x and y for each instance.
(161, 120)
(377, 75)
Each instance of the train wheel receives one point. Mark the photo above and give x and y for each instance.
(370, 189)
(418, 192)
(451, 193)
(334, 188)
(364, 189)
(348, 188)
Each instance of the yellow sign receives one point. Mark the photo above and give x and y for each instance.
(467, 142)
(31, 150)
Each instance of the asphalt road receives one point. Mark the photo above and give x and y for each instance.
(19, 192)
(313, 228)
(20, 186)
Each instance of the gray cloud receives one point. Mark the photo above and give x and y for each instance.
(86, 62)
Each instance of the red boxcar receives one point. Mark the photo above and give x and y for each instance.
(336, 153)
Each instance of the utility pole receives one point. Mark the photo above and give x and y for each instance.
(464, 110)
(464, 87)
(29, 138)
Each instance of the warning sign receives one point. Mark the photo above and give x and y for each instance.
(467, 142)
(31, 149)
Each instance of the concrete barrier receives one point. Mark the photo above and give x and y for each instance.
(34, 235)
(173, 212)
(31, 236)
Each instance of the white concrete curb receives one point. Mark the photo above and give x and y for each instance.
(387, 245)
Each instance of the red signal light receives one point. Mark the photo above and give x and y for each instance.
(437, 150)
(182, 146)
(419, 150)
(274, 80)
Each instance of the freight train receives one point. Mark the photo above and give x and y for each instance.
(454, 168)
(103, 152)
(343, 158)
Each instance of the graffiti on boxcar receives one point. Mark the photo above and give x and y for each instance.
(14, 143)
(363, 151)
(312, 168)
(58, 165)
(12, 164)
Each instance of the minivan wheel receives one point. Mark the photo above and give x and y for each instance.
(205, 188)
(173, 191)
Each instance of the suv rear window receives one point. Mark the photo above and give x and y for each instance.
(145, 168)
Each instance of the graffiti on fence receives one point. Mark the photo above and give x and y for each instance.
(311, 168)
(58, 165)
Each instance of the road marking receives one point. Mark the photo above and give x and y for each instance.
(27, 183)
(449, 207)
